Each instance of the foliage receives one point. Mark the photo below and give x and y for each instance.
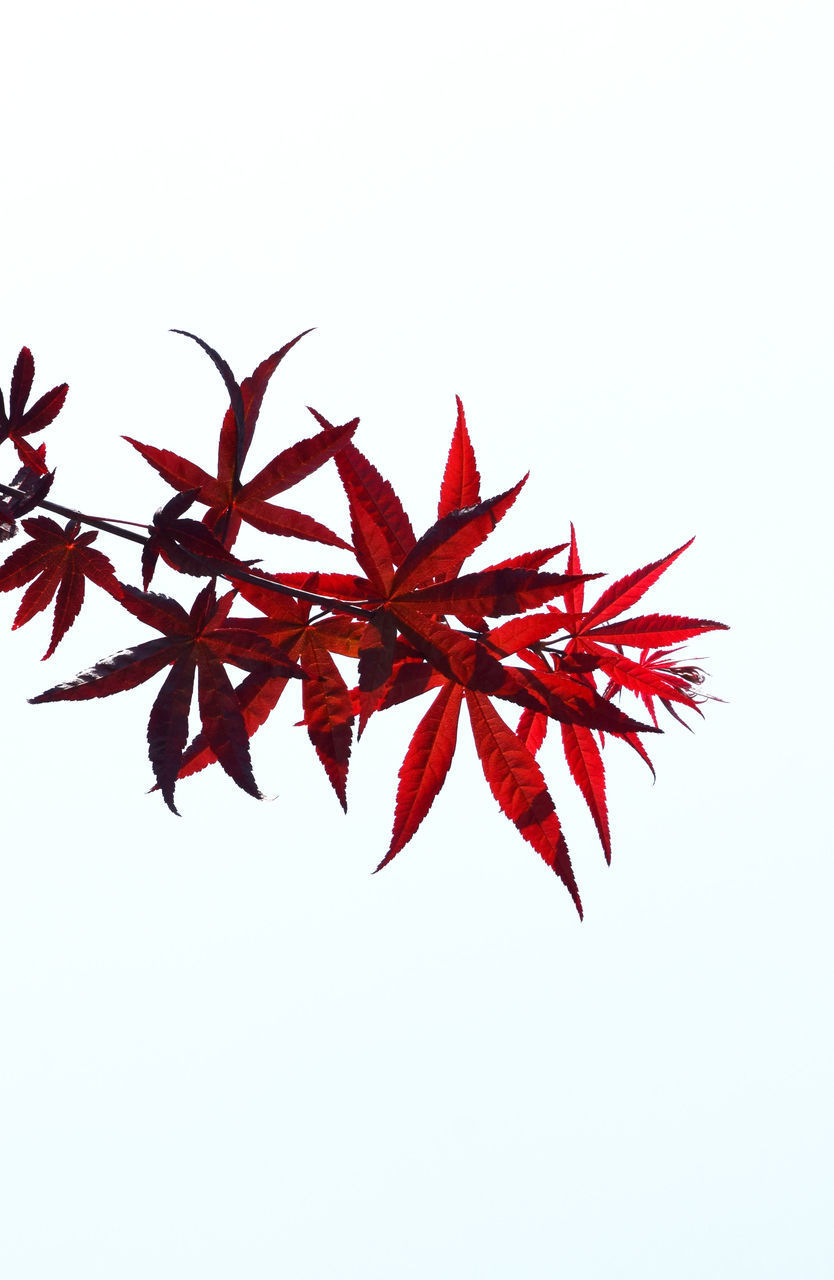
(491, 640)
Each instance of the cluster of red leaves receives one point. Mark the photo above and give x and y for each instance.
(414, 622)
(20, 422)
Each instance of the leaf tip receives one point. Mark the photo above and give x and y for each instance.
(390, 855)
(169, 800)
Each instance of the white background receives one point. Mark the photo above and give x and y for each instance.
(227, 1050)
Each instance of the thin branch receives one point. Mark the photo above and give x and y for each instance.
(232, 573)
(105, 525)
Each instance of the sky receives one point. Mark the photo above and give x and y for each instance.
(227, 1048)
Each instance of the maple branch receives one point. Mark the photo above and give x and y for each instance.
(58, 510)
(401, 623)
(232, 573)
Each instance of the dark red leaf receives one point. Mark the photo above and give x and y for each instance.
(257, 695)
(176, 471)
(296, 463)
(168, 725)
(228, 501)
(158, 611)
(21, 422)
(126, 669)
(252, 390)
(231, 386)
(288, 524)
(58, 560)
(68, 602)
(22, 378)
(223, 722)
(39, 594)
(43, 411)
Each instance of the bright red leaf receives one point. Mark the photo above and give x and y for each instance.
(426, 764)
(461, 484)
(585, 763)
(518, 785)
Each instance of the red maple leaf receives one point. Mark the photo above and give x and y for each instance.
(20, 421)
(186, 545)
(228, 499)
(411, 585)
(592, 631)
(59, 560)
(200, 642)
(591, 636)
(658, 675)
(508, 765)
(328, 704)
(508, 760)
